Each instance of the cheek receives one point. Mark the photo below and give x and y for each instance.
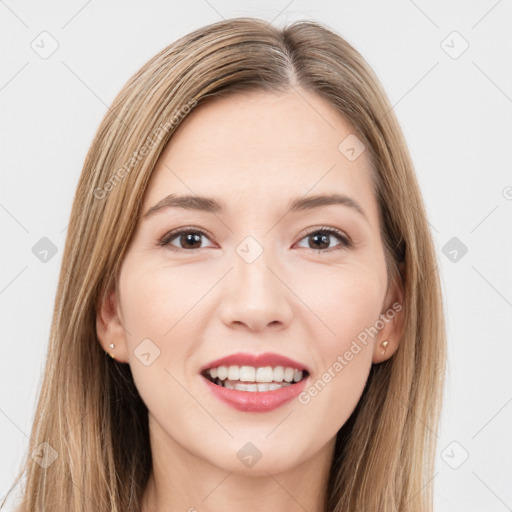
(156, 306)
(346, 300)
(348, 303)
(164, 318)
(157, 300)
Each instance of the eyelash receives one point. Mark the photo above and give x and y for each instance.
(346, 243)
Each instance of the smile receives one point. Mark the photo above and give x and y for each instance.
(255, 389)
(252, 379)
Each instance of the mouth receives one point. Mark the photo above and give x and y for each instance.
(254, 379)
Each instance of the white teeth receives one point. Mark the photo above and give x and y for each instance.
(234, 373)
(265, 374)
(288, 374)
(222, 372)
(278, 374)
(247, 374)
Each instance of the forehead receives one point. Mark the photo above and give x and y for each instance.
(259, 146)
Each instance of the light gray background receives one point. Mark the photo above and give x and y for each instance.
(456, 114)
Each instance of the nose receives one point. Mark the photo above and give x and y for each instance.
(254, 296)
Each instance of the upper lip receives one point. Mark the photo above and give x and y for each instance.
(256, 360)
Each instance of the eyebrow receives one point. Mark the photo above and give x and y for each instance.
(210, 205)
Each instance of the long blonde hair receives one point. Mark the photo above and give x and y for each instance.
(89, 413)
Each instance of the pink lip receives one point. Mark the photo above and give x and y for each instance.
(256, 360)
(257, 401)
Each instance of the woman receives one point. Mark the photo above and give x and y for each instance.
(249, 244)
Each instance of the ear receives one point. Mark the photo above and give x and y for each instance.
(109, 327)
(392, 317)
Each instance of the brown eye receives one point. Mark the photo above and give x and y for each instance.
(320, 239)
(188, 239)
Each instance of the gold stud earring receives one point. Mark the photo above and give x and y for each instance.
(111, 346)
(385, 345)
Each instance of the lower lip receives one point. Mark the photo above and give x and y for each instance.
(256, 401)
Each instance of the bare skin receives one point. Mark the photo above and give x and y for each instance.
(253, 152)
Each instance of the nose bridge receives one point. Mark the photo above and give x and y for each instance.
(254, 295)
(251, 272)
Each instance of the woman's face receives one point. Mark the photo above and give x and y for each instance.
(253, 275)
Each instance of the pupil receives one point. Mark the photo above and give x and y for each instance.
(193, 237)
(323, 238)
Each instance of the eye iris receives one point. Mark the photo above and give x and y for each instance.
(190, 237)
(323, 238)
